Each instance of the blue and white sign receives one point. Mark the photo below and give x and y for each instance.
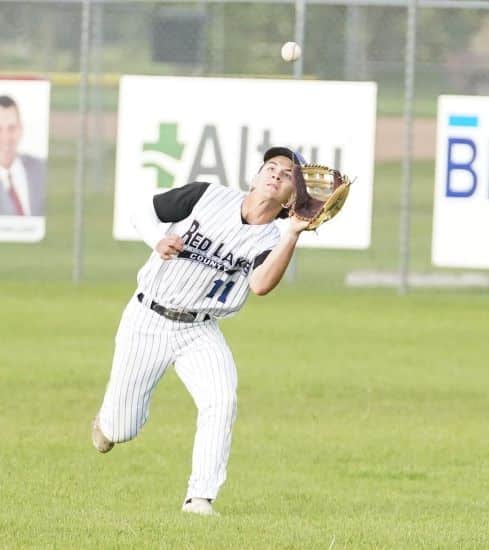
(461, 205)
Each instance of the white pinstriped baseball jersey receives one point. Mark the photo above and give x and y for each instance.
(211, 275)
(209, 278)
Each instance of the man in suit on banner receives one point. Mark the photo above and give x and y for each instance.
(22, 176)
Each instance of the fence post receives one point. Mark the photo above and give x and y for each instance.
(299, 33)
(405, 211)
(354, 51)
(96, 92)
(82, 142)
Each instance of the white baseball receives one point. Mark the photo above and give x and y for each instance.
(291, 51)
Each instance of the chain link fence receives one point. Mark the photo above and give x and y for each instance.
(358, 41)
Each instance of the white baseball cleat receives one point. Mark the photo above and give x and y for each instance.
(100, 442)
(200, 506)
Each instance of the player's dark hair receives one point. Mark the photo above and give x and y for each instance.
(6, 102)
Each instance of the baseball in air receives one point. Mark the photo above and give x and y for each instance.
(291, 51)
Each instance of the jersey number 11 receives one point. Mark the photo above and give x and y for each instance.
(225, 291)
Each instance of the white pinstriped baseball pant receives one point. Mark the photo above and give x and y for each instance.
(146, 345)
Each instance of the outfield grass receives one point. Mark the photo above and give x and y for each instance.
(362, 420)
(362, 414)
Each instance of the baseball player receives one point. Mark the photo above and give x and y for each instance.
(211, 244)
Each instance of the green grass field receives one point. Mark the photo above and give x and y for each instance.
(362, 421)
(362, 414)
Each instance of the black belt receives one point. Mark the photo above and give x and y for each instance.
(174, 314)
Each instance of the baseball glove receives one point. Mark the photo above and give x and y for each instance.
(320, 193)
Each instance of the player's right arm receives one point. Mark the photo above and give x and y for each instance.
(152, 213)
(269, 273)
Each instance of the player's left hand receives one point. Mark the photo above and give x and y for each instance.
(320, 193)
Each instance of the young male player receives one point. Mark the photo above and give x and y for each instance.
(218, 244)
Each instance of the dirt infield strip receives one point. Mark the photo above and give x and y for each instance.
(389, 135)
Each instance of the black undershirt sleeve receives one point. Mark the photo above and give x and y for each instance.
(260, 258)
(175, 205)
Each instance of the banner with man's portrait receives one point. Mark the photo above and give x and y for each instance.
(24, 142)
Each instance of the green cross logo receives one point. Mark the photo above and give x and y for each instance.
(168, 149)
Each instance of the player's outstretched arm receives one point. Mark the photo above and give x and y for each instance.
(147, 224)
(153, 215)
(267, 276)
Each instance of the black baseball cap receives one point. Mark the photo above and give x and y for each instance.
(284, 152)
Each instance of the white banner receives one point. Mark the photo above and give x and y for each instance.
(461, 202)
(24, 140)
(173, 130)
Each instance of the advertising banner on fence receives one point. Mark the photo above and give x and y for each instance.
(461, 202)
(24, 139)
(174, 130)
